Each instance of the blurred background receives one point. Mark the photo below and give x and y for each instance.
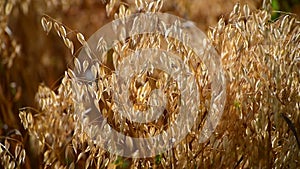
(30, 57)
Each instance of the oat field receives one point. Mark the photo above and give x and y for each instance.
(41, 105)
